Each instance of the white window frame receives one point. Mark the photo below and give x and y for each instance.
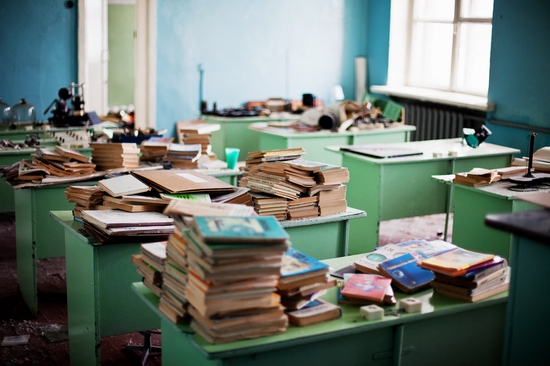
(399, 54)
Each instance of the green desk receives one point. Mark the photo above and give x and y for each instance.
(35, 236)
(527, 319)
(272, 138)
(234, 132)
(393, 188)
(20, 133)
(470, 205)
(100, 302)
(322, 237)
(8, 158)
(446, 332)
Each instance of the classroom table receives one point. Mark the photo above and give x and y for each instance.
(234, 132)
(89, 262)
(392, 188)
(527, 319)
(100, 302)
(273, 138)
(36, 238)
(446, 332)
(21, 131)
(9, 157)
(470, 205)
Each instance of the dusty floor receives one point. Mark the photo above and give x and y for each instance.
(15, 318)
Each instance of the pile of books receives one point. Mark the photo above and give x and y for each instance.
(310, 188)
(541, 160)
(61, 162)
(468, 275)
(198, 132)
(303, 280)
(477, 177)
(122, 193)
(150, 265)
(109, 156)
(183, 156)
(155, 148)
(233, 269)
(84, 197)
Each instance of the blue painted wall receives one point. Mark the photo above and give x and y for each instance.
(38, 51)
(519, 83)
(253, 50)
(378, 41)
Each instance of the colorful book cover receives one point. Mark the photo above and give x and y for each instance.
(456, 261)
(406, 274)
(366, 286)
(295, 263)
(264, 229)
(369, 263)
(425, 248)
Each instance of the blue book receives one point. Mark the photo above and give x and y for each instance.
(296, 263)
(406, 274)
(239, 229)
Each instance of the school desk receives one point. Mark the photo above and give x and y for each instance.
(446, 332)
(98, 313)
(470, 205)
(273, 138)
(527, 319)
(9, 157)
(100, 302)
(234, 132)
(37, 238)
(392, 188)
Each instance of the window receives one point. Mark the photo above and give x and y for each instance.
(441, 45)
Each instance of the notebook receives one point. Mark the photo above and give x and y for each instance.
(377, 151)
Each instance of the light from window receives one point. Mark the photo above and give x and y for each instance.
(441, 44)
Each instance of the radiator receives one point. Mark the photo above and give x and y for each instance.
(435, 123)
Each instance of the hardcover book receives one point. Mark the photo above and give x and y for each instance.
(116, 218)
(406, 274)
(123, 185)
(243, 229)
(366, 286)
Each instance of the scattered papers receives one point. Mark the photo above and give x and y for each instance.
(15, 340)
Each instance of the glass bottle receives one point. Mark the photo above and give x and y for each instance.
(23, 113)
(5, 113)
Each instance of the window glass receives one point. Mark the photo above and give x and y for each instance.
(473, 58)
(434, 10)
(476, 9)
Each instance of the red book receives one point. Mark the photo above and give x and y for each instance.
(366, 286)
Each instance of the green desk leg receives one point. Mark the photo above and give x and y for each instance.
(36, 236)
(100, 301)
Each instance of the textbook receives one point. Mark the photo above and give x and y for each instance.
(116, 218)
(476, 278)
(317, 311)
(296, 263)
(406, 274)
(369, 263)
(455, 262)
(243, 229)
(123, 185)
(366, 286)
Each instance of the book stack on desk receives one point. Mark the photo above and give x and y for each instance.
(468, 275)
(183, 156)
(234, 265)
(155, 148)
(150, 265)
(198, 132)
(311, 188)
(84, 197)
(303, 280)
(115, 155)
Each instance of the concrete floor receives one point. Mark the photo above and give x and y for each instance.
(15, 318)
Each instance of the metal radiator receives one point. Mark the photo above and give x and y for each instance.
(435, 123)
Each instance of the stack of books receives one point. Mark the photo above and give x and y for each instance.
(155, 148)
(310, 188)
(234, 266)
(477, 177)
(198, 132)
(84, 197)
(467, 275)
(365, 289)
(115, 226)
(540, 161)
(303, 280)
(266, 204)
(109, 156)
(122, 194)
(240, 196)
(150, 265)
(183, 156)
